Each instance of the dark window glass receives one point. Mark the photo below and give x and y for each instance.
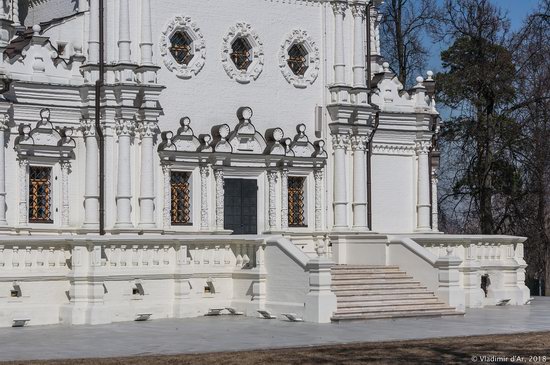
(181, 47)
(40, 194)
(181, 197)
(296, 202)
(241, 54)
(297, 59)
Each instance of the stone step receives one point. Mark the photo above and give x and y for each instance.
(340, 292)
(383, 297)
(394, 308)
(375, 286)
(366, 267)
(346, 276)
(364, 271)
(404, 314)
(367, 280)
(394, 302)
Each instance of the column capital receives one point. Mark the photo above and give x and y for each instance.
(340, 141)
(359, 10)
(4, 121)
(272, 176)
(339, 7)
(423, 146)
(148, 129)
(359, 143)
(124, 127)
(87, 126)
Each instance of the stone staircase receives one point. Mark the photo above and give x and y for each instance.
(372, 292)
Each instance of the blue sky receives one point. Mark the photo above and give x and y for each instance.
(516, 9)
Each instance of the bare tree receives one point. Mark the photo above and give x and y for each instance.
(404, 25)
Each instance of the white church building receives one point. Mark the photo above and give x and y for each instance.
(166, 158)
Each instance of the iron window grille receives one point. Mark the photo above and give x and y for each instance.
(40, 194)
(181, 47)
(297, 59)
(296, 202)
(241, 54)
(181, 198)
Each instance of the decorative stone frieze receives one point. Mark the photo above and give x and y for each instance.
(284, 199)
(65, 212)
(302, 38)
(166, 169)
(253, 71)
(272, 182)
(184, 24)
(318, 177)
(204, 172)
(218, 176)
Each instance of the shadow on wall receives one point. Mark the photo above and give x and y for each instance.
(25, 5)
(536, 286)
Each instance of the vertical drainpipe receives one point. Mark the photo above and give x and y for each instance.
(99, 131)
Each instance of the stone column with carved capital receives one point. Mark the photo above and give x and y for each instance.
(218, 176)
(359, 15)
(91, 183)
(435, 213)
(23, 191)
(423, 199)
(340, 144)
(65, 208)
(204, 171)
(166, 217)
(272, 182)
(359, 148)
(147, 131)
(284, 199)
(318, 177)
(125, 131)
(339, 9)
(4, 120)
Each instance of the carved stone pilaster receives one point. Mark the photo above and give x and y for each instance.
(65, 212)
(272, 181)
(166, 218)
(359, 143)
(23, 192)
(435, 216)
(339, 7)
(148, 129)
(87, 126)
(318, 177)
(284, 199)
(340, 141)
(423, 192)
(4, 120)
(218, 175)
(358, 10)
(423, 146)
(204, 171)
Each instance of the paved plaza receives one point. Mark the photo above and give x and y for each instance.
(235, 333)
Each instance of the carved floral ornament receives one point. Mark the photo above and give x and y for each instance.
(183, 24)
(300, 38)
(243, 139)
(253, 71)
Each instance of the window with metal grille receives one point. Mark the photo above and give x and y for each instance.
(297, 59)
(296, 202)
(181, 197)
(40, 194)
(241, 54)
(181, 47)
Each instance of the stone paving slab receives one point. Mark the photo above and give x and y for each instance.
(235, 333)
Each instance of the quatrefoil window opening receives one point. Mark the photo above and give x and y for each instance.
(298, 59)
(181, 47)
(241, 54)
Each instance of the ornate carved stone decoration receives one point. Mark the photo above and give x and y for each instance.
(423, 146)
(359, 143)
(301, 147)
(245, 138)
(44, 140)
(340, 141)
(272, 180)
(148, 129)
(204, 171)
(65, 213)
(184, 141)
(124, 127)
(184, 24)
(318, 177)
(253, 71)
(359, 10)
(218, 175)
(23, 191)
(284, 199)
(339, 7)
(87, 126)
(166, 219)
(300, 38)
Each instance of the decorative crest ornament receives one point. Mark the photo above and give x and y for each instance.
(253, 71)
(302, 39)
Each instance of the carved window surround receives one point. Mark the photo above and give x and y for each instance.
(253, 71)
(47, 147)
(313, 60)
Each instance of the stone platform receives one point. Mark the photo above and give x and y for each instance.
(226, 333)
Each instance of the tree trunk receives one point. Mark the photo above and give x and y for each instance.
(547, 272)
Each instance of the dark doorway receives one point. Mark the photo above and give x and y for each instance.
(241, 205)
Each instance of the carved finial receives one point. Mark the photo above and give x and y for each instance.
(278, 134)
(430, 75)
(224, 131)
(36, 30)
(301, 129)
(45, 115)
(245, 113)
(386, 67)
(185, 123)
(419, 81)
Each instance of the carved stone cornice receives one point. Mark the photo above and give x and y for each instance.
(423, 146)
(124, 127)
(392, 149)
(340, 141)
(339, 7)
